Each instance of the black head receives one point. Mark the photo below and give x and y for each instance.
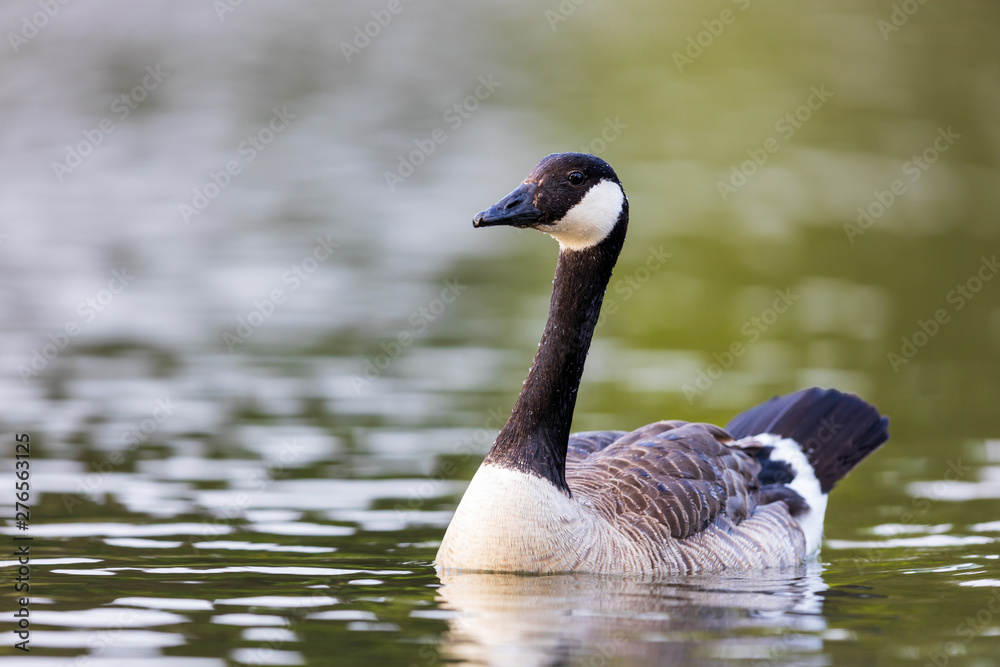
(574, 197)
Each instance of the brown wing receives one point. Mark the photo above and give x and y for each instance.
(669, 475)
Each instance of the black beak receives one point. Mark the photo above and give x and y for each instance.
(516, 209)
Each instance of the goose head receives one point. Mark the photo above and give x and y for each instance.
(575, 198)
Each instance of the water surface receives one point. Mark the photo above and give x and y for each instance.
(259, 348)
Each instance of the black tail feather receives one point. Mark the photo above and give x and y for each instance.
(835, 430)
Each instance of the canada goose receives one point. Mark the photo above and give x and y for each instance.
(669, 498)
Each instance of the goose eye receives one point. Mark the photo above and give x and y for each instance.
(575, 178)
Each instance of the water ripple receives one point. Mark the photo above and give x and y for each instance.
(925, 541)
(262, 546)
(176, 604)
(280, 601)
(122, 529)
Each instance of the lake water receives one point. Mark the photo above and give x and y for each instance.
(258, 348)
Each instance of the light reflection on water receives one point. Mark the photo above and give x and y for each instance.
(669, 621)
(278, 498)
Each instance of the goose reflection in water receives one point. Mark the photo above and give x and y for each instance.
(770, 616)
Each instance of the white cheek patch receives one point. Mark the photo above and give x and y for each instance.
(591, 220)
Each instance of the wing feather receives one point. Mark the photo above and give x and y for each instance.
(671, 476)
(582, 445)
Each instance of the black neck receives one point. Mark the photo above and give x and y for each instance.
(536, 435)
